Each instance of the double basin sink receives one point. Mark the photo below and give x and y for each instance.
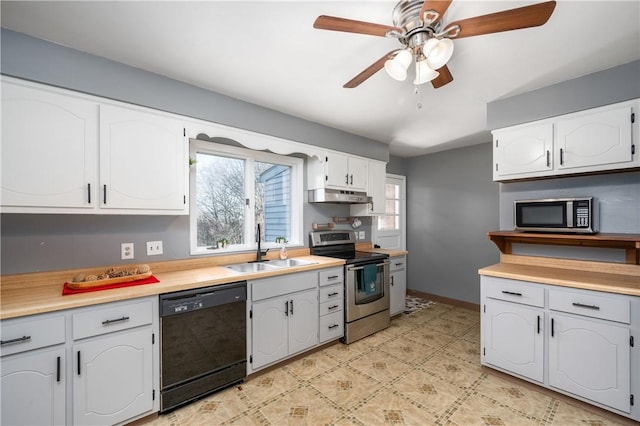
(267, 265)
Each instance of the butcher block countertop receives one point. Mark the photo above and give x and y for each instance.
(586, 275)
(34, 293)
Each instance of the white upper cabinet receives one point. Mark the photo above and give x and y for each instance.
(49, 144)
(595, 140)
(337, 170)
(143, 161)
(376, 185)
(345, 172)
(54, 141)
(523, 150)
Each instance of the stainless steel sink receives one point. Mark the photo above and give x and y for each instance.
(246, 268)
(267, 265)
(287, 263)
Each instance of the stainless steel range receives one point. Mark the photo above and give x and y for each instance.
(366, 282)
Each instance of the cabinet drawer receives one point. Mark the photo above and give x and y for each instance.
(112, 318)
(513, 291)
(24, 334)
(331, 293)
(331, 327)
(331, 307)
(331, 276)
(397, 263)
(285, 284)
(591, 305)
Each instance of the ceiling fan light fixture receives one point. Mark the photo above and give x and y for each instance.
(397, 67)
(424, 73)
(438, 52)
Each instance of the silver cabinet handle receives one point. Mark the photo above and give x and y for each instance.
(113, 321)
(16, 340)
(581, 305)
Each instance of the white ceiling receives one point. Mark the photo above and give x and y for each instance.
(268, 53)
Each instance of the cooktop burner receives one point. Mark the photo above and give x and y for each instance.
(340, 244)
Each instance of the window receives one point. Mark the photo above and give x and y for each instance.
(391, 219)
(235, 189)
(389, 229)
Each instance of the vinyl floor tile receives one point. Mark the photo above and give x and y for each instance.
(423, 370)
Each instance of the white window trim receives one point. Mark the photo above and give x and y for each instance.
(249, 155)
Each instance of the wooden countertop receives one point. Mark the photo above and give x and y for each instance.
(621, 279)
(35, 293)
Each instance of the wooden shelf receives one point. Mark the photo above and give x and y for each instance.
(630, 243)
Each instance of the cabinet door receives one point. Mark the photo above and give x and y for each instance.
(398, 290)
(523, 151)
(33, 388)
(269, 333)
(594, 139)
(590, 359)
(143, 161)
(113, 377)
(513, 338)
(337, 170)
(303, 321)
(358, 174)
(49, 145)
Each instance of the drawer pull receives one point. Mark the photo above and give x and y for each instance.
(333, 307)
(332, 277)
(399, 264)
(335, 293)
(512, 293)
(16, 340)
(581, 305)
(113, 321)
(333, 326)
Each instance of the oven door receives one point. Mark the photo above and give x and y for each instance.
(367, 289)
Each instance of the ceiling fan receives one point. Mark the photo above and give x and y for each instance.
(426, 41)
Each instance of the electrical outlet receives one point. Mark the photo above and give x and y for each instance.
(361, 236)
(126, 251)
(154, 248)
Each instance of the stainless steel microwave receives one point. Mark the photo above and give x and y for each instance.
(573, 215)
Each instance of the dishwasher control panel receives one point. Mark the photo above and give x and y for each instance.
(182, 302)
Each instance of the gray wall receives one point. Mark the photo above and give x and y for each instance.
(616, 84)
(396, 165)
(32, 243)
(618, 194)
(452, 203)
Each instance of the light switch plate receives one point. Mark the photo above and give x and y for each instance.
(154, 248)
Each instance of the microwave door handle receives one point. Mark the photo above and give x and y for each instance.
(569, 214)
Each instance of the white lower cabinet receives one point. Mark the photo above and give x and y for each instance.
(96, 365)
(513, 339)
(33, 388)
(577, 342)
(590, 359)
(113, 377)
(283, 317)
(398, 287)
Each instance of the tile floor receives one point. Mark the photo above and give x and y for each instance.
(423, 370)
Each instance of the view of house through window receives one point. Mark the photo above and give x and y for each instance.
(235, 190)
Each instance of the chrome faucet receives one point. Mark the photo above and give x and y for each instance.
(259, 253)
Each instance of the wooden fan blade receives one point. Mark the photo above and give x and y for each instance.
(369, 71)
(334, 23)
(445, 77)
(513, 19)
(439, 6)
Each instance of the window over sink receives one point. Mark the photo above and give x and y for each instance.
(234, 189)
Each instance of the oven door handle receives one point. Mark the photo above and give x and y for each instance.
(357, 268)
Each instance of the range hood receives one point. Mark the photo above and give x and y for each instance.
(336, 196)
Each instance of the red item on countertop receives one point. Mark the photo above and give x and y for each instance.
(149, 280)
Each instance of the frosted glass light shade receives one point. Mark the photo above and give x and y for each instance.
(397, 67)
(438, 52)
(424, 73)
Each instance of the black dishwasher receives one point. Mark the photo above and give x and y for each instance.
(203, 342)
